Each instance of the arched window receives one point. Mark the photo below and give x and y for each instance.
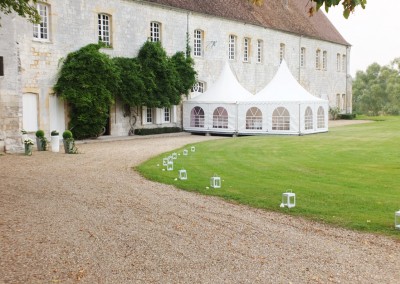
(280, 119)
(254, 118)
(308, 119)
(197, 117)
(321, 117)
(220, 118)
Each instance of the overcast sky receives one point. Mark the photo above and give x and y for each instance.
(374, 32)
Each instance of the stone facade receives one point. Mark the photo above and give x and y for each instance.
(31, 65)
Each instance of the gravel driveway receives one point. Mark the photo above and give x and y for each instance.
(90, 218)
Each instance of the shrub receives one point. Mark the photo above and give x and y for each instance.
(40, 133)
(67, 134)
(54, 133)
(347, 116)
(149, 131)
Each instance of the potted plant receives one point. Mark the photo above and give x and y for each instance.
(24, 135)
(69, 142)
(28, 142)
(41, 141)
(55, 141)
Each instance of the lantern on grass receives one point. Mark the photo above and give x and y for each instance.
(397, 220)
(185, 152)
(182, 174)
(193, 149)
(165, 161)
(174, 156)
(215, 181)
(288, 199)
(170, 166)
(170, 159)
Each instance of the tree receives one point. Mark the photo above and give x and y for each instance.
(22, 8)
(87, 81)
(377, 90)
(348, 5)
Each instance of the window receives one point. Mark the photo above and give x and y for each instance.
(30, 112)
(197, 117)
(343, 108)
(280, 119)
(246, 49)
(338, 104)
(344, 63)
(281, 52)
(41, 30)
(338, 62)
(104, 22)
(232, 47)
(167, 114)
(198, 43)
(321, 117)
(254, 118)
(318, 59)
(303, 57)
(149, 115)
(155, 31)
(324, 60)
(199, 87)
(308, 119)
(259, 51)
(220, 118)
(1, 66)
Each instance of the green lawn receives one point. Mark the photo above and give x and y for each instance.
(347, 177)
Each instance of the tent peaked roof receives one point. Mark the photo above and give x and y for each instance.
(285, 88)
(225, 89)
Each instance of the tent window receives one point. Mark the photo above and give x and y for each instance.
(280, 119)
(254, 118)
(321, 117)
(220, 118)
(308, 119)
(197, 117)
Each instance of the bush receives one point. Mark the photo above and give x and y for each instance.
(347, 116)
(149, 131)
(67, 134)
(40, 133)
(54, 133)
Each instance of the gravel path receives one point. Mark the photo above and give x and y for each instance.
(90, 218)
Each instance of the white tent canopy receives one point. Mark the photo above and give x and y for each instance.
(282, 107)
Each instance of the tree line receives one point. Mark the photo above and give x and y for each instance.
(376, 91)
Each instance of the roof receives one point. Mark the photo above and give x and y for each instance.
(284, 88)
(226, 89)
(292, 18)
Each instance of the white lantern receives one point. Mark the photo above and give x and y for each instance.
(288, 199)
(174, 156)
(165, 161)
(193, 149)
(397, 220)
(170, 166)
(215, 182)
(182, 174)
(185, 152)
(170, 159)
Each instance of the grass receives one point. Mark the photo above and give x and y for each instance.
(348, 177)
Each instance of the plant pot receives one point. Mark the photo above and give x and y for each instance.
(39, 144)
(55, 144)
(68, 146)
(28, 149)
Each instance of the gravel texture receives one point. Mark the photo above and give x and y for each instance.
(90, 218)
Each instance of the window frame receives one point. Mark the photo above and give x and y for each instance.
(198, 39)
(199, 87)
(324, 60)
(44, 24)
(220, 118)
(167, 115)
(344, 63)
(260, 45)
(197, 117)
(155, 31)
(318, 59)
(281, 119)
(246, 49)
(308, 119)
(282, 52)
(302, 57)
(232, 47)
(338, 62)
(104, 28)
(321, 117)
(254, 118)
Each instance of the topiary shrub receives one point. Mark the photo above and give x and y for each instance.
(67, 134)
(54, 133)
(39, 133)
(160, 130)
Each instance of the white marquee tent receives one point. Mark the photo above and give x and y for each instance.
(282, 107)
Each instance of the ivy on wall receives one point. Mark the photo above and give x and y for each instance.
(90, 81)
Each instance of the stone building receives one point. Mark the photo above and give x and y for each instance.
(252, 39)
